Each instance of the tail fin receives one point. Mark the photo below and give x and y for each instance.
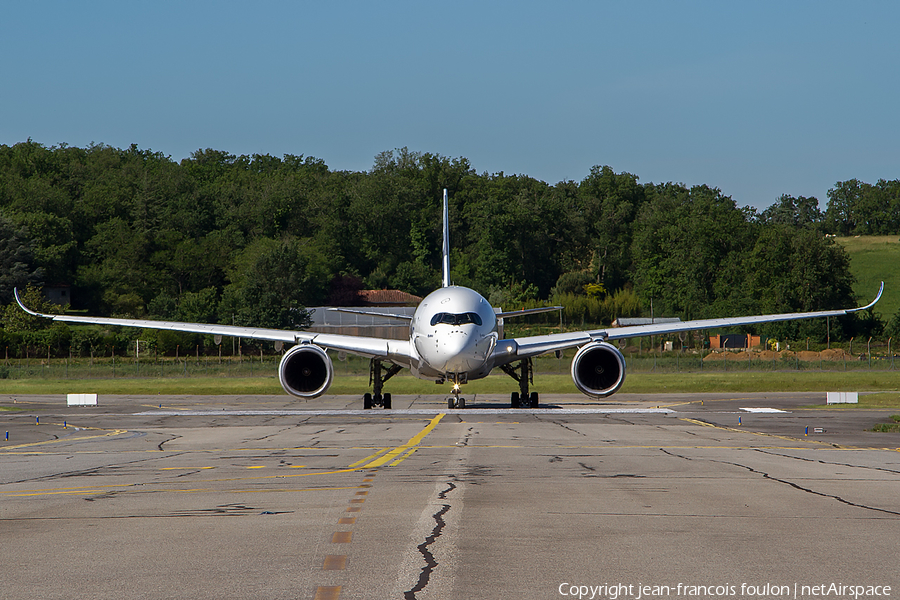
(446, 248)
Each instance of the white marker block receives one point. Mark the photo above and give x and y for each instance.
(82, 399)
(842, 398)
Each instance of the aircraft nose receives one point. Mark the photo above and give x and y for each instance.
(454, 354)
(454, 343)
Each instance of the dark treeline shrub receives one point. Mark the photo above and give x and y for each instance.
(254, 239)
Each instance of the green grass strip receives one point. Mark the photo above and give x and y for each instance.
(641, 383)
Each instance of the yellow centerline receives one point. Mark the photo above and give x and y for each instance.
(412, 443)
(405, 456)
(370, 457)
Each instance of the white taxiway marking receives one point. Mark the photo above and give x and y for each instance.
(763, 410)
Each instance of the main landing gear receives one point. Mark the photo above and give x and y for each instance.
(524, 374)
(376, 380)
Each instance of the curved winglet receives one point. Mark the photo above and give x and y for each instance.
(872, 303)
(23, 307)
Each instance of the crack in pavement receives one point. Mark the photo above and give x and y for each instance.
(826, 462)
(171, 439)
(664, 451)
(795, 485)
(807, 490)
(564, 426)
(430, 562)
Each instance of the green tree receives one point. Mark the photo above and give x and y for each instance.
(17, 320)
(799, 212)
(277, 281)
(609, 204)
(685, 241)
(792, 270)
(17, 267)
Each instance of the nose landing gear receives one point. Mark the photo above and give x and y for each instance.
(455, 401)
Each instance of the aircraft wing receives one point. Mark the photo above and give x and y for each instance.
(524, 347)
(363, 346)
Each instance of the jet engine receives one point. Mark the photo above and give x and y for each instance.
(598, 369)
(305, 371)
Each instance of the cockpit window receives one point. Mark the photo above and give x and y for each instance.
(456, 319)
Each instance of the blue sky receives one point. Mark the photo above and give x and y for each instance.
(755, 98)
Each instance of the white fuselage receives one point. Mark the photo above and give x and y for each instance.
(452, 334)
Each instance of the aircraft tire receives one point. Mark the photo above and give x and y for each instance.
(451, 403)
(514, 400)
(461, 403)
(533, 400)
(386, 402)
(367, 401)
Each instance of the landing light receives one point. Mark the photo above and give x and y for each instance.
(455, 387)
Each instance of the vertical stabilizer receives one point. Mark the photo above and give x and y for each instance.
(446, 249)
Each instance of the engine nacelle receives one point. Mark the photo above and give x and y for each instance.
(305, 371)
(598, 369)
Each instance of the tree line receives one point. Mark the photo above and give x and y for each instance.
(252, 240)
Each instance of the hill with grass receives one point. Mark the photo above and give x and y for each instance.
(875, 258)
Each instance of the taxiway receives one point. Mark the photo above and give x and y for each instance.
(269, 497)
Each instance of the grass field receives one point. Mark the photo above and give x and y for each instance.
(886, 383)
(874, 259)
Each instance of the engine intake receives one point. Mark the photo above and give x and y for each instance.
(305, 371)
(598, 369)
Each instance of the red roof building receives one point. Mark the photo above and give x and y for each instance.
(387, 298)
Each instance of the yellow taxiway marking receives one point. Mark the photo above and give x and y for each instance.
(67, 439)
(328, 592)
(184, 468)
(57, 493)
(368, 458)
(411, 444)
(105, 489)
(404, 457)
(144, 485)
(772, 435)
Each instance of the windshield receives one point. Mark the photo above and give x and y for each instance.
(456, 319)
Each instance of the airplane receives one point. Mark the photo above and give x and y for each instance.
(453, 336)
